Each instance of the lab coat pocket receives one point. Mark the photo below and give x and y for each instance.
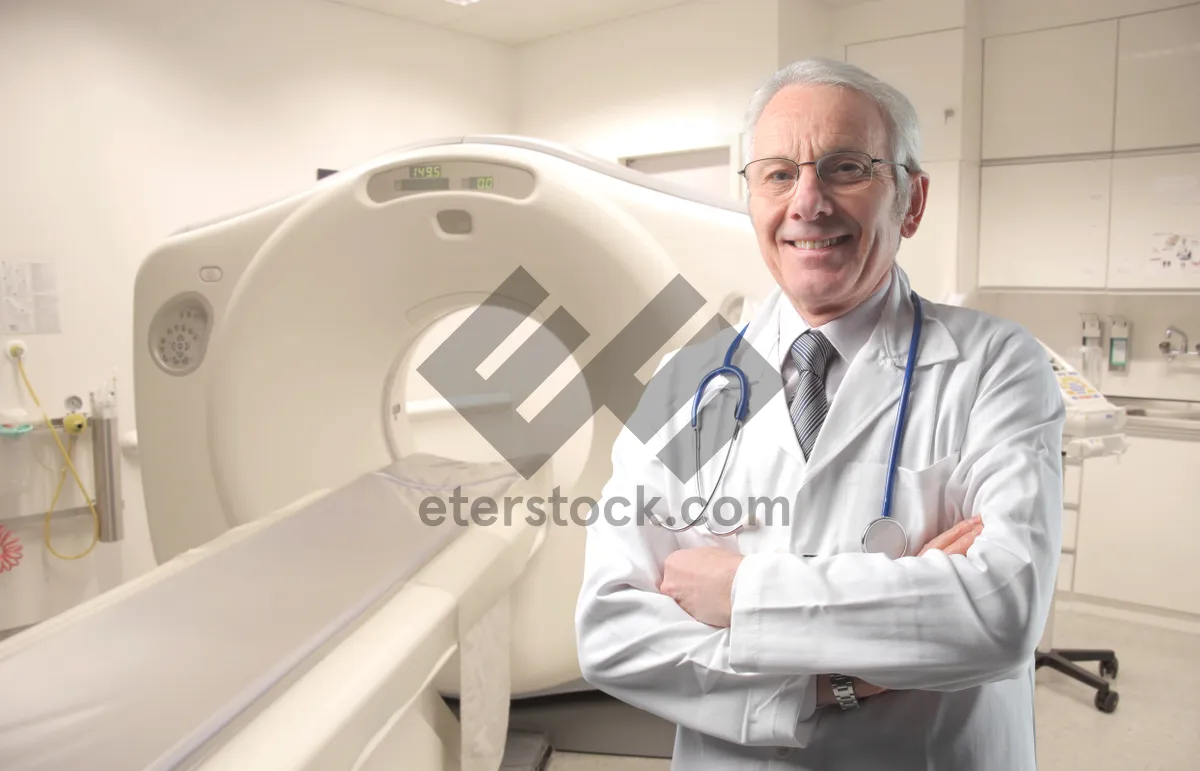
(920, 502)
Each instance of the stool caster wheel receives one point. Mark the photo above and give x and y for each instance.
(1108, 668)
(1106, 701)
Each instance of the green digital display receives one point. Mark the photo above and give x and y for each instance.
(431, 171)
(479, 183)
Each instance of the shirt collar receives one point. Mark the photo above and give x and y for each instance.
(848, 333)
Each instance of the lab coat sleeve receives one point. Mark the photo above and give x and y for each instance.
(934, 622)
(640, 647)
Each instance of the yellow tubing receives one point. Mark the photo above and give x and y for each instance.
(62, 477)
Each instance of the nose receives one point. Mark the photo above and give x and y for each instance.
(810, 199)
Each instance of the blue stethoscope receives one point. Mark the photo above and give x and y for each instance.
(883, 535)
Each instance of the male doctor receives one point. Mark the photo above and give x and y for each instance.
(785, 645)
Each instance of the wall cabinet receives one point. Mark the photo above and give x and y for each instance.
(1128, 223)
(1113, 87)
(1050, 92)
(1158, 80)
(1131, 506)
(1154, 236)
(928, 69)
(1044, 225)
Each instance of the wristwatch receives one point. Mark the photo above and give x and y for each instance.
(843, 691)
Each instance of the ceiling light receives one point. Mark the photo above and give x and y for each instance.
(463, 2)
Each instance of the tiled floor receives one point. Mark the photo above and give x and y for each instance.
(1156, 725)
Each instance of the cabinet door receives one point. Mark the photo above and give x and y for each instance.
(1137, 513)
(1154, 239)
(1049, 92)
(1158, 81)
(928, 69)
(1044, 225)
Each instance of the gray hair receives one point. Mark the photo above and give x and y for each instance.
(900, 117)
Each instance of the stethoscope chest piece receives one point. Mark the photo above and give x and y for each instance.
(885, 536)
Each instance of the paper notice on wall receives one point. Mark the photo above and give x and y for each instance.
(1175, 252)
(29, 298)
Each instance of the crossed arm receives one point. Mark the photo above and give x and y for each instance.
(755, 635)
(701, 582)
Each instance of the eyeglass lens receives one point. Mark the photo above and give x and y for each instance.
(777, 176)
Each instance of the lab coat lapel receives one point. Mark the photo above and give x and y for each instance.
(871, 388)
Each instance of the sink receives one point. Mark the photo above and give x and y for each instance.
(1150, 412)
(1151, 408)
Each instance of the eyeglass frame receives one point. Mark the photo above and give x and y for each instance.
(800, 164)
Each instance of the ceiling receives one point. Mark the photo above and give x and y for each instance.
(512, 21)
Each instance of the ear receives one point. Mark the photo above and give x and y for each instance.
(918, 195)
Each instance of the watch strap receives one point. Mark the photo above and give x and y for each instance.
(843, 691)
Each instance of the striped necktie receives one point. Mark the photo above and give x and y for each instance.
(811, 355)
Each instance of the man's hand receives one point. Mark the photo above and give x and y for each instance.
(701, 582)
(957, 539)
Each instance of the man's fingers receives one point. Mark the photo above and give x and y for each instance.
(953, 534)
(963, 543)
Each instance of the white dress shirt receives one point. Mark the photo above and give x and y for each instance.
(848, 334)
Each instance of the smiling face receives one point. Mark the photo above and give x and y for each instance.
(829, 249)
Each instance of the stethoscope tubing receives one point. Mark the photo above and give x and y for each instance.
(902, 408)
(729, 368)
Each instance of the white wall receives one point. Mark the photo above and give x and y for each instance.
(673, 79)
(679, 78)
(883, 19)
(806, 29)
(128, 119)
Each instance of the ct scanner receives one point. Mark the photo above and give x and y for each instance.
(302, 616)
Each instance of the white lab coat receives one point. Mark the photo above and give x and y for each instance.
(953, 636)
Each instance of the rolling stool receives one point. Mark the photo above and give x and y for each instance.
(1064, 660)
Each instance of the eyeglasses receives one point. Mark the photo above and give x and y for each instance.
(844, 171)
